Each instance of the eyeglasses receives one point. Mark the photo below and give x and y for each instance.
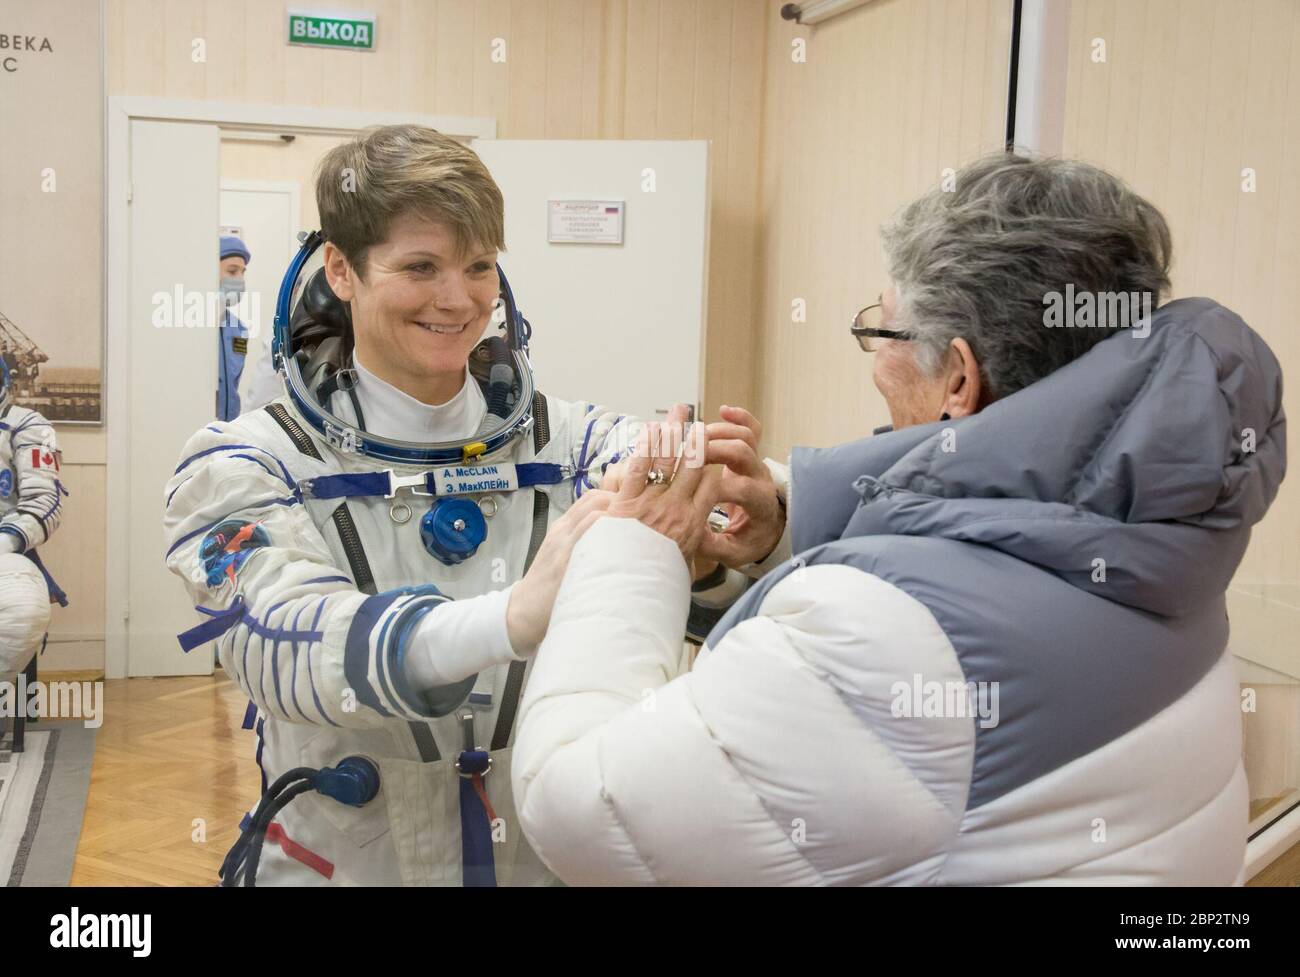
(867, 328)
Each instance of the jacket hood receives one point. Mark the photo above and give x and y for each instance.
(1152, 454)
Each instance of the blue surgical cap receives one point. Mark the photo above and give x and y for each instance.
(231, 245)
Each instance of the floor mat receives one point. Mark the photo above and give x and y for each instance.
(42, 801)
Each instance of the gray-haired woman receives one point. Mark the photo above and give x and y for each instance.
(1000, 654)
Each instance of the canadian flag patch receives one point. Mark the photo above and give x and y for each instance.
(45, 458)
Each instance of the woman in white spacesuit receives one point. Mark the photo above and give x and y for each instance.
(31, 498)
(377, 551)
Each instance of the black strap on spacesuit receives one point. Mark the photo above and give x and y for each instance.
(541, 505)
(358, 563)
(365, 578)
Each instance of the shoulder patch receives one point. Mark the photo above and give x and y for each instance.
(226, 547)
(6, 483)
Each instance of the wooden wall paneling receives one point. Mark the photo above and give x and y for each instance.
(227, 65)
(454, 54)
(613, 82)
(709, 111)
(641, 70)
(491, 78)
(565, 41)
(882, 105)
(593, 68)
(1217, 90)
(525, 111)
(380, 70)
(676, 80)
(266, 57)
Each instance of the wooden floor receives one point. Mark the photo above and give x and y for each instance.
(171, 752)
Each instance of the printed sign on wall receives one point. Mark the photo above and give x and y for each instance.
(51, 196)
(585, 222)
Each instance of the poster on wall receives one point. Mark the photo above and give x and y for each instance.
(51, 199)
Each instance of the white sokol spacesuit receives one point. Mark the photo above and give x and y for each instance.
(30, 510)
(318, 572)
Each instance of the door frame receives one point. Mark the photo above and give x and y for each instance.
(290, 189)
(120, 112)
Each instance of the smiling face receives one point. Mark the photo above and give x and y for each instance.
(421, 307)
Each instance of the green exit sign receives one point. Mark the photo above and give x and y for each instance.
(355, 31)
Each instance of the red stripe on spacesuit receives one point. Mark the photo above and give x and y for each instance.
(297, 852)
(479, 789)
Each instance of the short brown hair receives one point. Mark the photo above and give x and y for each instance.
(388, 172)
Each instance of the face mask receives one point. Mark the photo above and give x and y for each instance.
(232, 290)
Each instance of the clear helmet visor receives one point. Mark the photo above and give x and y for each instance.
(313, 351)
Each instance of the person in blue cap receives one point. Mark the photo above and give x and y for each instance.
(234, 334)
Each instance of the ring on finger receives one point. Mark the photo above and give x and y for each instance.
(657, 476)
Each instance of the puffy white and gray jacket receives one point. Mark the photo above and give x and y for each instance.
(999, 656)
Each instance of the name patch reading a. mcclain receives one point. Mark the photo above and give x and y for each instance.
(455, 480)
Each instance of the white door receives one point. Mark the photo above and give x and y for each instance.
(172, 369)
(615, 324)
(266, 215)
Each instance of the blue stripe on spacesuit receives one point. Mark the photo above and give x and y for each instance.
(248, 681)
(391, 652)
(172, 494)
(358, 485)
(311, 675)
(31, 420)
(378, 662)
(582, 458)
(293, 675)
(362, 485)
(258, 464)
(275, 664)
(220, 621)
(285, 476)
(238, 614)
(58, 501)
(235, 615)
(363, 648)
(22, 536)
(260, 744)
(405, 622)
(357, 651)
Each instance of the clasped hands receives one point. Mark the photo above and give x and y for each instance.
(675, 477)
